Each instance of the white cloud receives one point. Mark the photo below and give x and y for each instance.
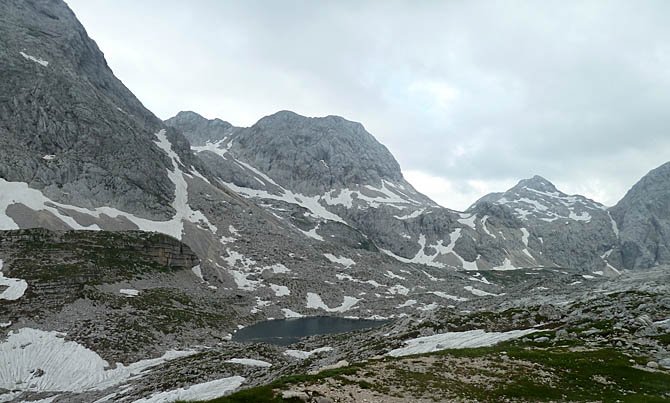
(455, 195)
(470, 91)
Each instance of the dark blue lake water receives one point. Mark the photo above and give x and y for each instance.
(288, 331)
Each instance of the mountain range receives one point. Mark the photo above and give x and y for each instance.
(146, 243)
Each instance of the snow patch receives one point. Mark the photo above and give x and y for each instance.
(280, 290)
(506, 265)
(312, 233)
(249, 362)
(392, 275)
(288, 314)
(202, 391)
(68, 366)
(413, 214)
(468, 339)
(447, 296)
(15, 287)
(524, 236)
(429, 307)
(398, 289)
(35, 59)
(129, 292)
(198, 273)
(407, 303)
(468, 220)
(484, 220)
(302, 355)
(478, 292)
(314, 301)
(584, 216)
(344, 261)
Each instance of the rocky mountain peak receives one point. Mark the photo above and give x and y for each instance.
(199, 130)
(309, 155)
(537, 183)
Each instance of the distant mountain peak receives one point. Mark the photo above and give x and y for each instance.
(198, 129)
(538, 183)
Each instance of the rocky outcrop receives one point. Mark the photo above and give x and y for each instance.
(643, 217)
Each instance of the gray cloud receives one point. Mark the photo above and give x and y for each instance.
(469, 96)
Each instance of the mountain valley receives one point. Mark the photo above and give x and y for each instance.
(132, 249)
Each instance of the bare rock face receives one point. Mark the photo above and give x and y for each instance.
(68, 126)
(643, 216)
(199, 130)
(566, 230)
(307, 155)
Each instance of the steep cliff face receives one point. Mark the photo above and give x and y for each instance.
(643, 216)
(68, 126)
(97, 286)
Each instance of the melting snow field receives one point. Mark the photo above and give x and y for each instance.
(201, 391)
(129, 292)
(250, 362)
(68, 366)
(288, 314)
(15, 287)
(314, 301)
(303, 355)
(443, 341)
(344, 261)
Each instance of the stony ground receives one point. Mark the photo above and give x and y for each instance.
(611, 344)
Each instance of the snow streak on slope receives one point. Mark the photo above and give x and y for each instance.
(310, 203)
(35, 59)
(249, 362)
(180, 203)
(19, 193)
(67, 365)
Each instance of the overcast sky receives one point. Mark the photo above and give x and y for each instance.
(470, 96)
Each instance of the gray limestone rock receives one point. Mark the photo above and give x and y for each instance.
(643, 216)
(68, 126)
(199, 130)
(566, 230)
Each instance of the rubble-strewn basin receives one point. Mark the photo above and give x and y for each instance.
(288, 331)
